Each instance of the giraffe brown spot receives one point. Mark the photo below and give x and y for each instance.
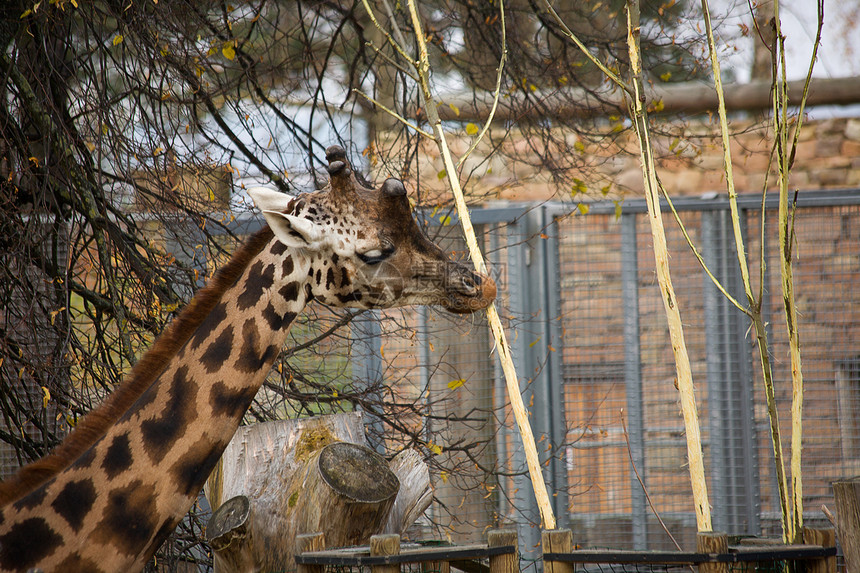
(193, 467)
(290, 291)
(118, 457)
(329, 278)
(74, 563)
(160, 433)
(275, 320)
(210, 324)
(349, 297)
(250, 358)
(278, 248)
(86, 459)
(26, 543)
(129, 519)
(74, 502)
(344, 278)
(318, 278)
(287, 268)
(165, 530)
(230, 403)
(33, 499)
(218, 351)
(259, 279)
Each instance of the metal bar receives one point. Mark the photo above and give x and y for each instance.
(686, 558)
(500, 399)
(552, 333)
(416, 556)
(633, 377)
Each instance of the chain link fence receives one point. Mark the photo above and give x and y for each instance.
(589, 334)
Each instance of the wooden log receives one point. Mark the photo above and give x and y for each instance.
(507, 562)
(284, 479)
(847, 498)
(415, 493)
(258, 452)
(557, 541)
(346, 492)
(310, 542)
(712, 542)
(825, 537)
(387, 544)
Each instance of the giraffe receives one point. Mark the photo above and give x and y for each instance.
(110, 494)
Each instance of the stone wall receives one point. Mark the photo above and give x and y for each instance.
(507, 166)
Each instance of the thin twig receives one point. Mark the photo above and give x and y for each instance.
(395, 115)
(645, 489)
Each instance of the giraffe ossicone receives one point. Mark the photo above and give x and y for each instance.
(112, 492)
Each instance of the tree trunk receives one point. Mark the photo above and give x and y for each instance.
(283, 479)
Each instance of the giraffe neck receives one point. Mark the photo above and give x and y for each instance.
(111, 507)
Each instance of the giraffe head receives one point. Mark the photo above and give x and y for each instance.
(367, 250)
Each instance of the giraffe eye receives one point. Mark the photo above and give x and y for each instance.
(375, 256)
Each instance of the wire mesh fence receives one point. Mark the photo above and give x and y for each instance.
(622, 447)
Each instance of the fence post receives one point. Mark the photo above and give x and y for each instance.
(310, 542)
(710, 542)
(507, 562)
(825, 538)
(847, 494)
(557, 541)
(388, 544)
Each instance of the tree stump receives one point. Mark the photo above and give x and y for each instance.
(847, 495)
(285, 479)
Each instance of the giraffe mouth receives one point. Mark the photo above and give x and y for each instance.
(469, 292)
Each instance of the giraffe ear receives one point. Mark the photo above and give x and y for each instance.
(295, 232)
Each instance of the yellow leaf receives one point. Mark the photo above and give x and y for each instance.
(665, 77)
(617, 209)
(659, 105)
(444, 220)
(441, 175)
(454, 384)
(579, 146)
(444, 476)
(46, 397)
(471, 129)
(334, 393)
(228, 50)
(157, 151)
(211, 193)
(117, 40)
(53, 314)
(435, 448)
(583, 208)
(75, 3)
(536, 340)
(579, 186)
(26, 13)
(455, 109)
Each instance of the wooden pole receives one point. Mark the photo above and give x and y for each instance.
(557, 541)
(825, 538)
(387, 544)
(847, 493)
(310, 542)
(508, 562)
(683, 370)
(422, 66)
(712, 542)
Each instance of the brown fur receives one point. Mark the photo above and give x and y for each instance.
(148, 368)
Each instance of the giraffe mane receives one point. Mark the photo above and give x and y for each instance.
(95, 424)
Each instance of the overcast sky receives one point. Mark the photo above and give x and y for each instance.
(839, 54)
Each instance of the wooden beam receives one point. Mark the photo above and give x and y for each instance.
(664, 99)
